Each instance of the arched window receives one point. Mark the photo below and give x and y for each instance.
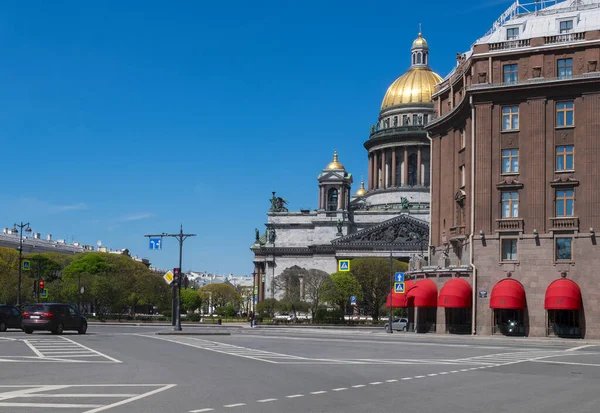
(412, 169)
(425, 58)
(414, 59)
(418, 57)
(332, 199)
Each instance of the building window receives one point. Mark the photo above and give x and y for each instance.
(462, 139)
(512, 33)
(510, 117)
(564, 248)
(564, 68)
(564, 203)
(564, 114)
(462, 176)
(412, 169)
(510, 161)
(415, 119)
(405, 120)
(509, 249)
(566, 26)
(425, 119)
(510, 73)
(564, 157)
(332, 199)
(510, 204)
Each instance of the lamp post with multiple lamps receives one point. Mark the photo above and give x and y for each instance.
(19, 231)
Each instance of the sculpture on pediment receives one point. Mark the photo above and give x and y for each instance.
(339, 227)
(271, 235)
(398, 232)
(278, 204)
(404, 202)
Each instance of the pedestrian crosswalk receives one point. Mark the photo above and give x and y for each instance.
(515, 357)
(64, 349)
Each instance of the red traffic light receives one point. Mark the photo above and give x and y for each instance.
(41, 285)
(176, 271)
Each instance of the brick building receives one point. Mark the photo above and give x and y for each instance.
(515, 190)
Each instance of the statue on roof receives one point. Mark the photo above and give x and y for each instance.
(404, 203)
(256, 234)
(278, 204)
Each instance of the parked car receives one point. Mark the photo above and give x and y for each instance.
(53, 317)
(10, 317)
(398, 324)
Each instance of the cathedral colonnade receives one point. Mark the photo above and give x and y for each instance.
(399, 166)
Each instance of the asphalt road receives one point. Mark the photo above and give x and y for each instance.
(133, 370)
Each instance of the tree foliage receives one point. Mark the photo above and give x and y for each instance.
(220, 295)
(191, 300)
(340, 287)
(373, 275)
(314, 287)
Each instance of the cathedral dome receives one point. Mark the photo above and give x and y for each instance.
(335, 164)
(361, 191)
(416, 85)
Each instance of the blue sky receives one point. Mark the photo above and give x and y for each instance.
(126, 118)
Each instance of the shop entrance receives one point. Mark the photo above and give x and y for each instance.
(509, 322)
(564, 323)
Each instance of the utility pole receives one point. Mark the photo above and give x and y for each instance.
(391, 294)
(15, 231)
(176, 285)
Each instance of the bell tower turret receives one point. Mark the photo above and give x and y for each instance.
(334, 187)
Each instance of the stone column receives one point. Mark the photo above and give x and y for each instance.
(340, 197)
(405, 167)
(374, 171)
(419, 166)
(322, 198)
(370, 171)
(393, 180)
(382, 185)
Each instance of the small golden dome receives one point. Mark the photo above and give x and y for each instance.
(420, 42)
(415, 86)
(335, 164)
(362, 191)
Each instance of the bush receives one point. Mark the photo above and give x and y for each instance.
(227, 311)
(323, 316)
(193, 317)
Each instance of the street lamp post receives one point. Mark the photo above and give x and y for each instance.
(391, 329)
(16, 231)
(176, 288)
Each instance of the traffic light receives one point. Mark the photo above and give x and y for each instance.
(41, 285)
(176, 275)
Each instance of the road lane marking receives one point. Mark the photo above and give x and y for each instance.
(266, 400)
(580, 347)
(406, 378)
(35, 350)
(318, 392)
(293, 396)
(50, 405)
(375, 383)
(569, 363)
(201, 410)
(92, 350)
(82, 395)
(340, 389)
(432, 374)
(359, 386)
(234, 405)
(132, 399)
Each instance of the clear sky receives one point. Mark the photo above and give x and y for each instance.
(122, 118)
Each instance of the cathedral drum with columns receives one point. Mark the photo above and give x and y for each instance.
(390, 216)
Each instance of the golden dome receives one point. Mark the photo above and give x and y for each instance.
(420, 42)
(415, 86)
(362, 191)
(335, 164)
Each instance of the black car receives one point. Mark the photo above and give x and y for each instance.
(10, 317)
(53, 317)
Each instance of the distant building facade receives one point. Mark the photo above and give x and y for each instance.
(516, 177)
(392, 214)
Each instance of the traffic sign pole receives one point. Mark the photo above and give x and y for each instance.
(391, 329)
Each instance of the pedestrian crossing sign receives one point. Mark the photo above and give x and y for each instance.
(344, 265)
(399, 288)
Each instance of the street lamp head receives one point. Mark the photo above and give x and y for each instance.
(15, 230)
(28, 229)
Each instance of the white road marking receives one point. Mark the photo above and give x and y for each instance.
(566, 362)
(50, 405)
(266, 400)
(432, 374)
(81, 395)
(234, 405)
(340, 389)
(359, 386)
(201, 410)
(318, 392)
(419, 377)
(454, 371)
(580, 347)
(132, 399)
(35, 350)
(92, 350)
(375, 383)
(445, 372)
(406, 378)
(293, 396)
(391, 381)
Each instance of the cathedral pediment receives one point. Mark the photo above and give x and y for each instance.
(399, 230)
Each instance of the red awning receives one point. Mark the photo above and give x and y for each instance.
(456, 293)
(563, 294)
(508, 294)
(399, 300)
(423, 294)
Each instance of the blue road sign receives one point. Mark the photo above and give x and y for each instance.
(399, 277)
(352, 299)
(155, 243)
(26, 265)
(399, 288)
(44, 293)
(256, 298)
(344, 265)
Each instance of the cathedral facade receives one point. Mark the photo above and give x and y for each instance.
(390, 217)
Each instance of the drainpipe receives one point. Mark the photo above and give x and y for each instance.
(471, 263)
(430, 192)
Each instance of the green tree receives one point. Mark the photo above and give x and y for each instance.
(190, 300)
(219, 295)
(373, 275)
(313, 288)
(340, 287)
(267, 307)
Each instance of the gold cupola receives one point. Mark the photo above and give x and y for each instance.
(361, 191)
(416, 85)
(335, 164)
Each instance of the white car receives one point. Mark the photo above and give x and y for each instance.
(399, 324)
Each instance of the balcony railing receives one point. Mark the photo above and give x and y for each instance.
(565, 223)
(534, 81)
(564, 38)
(509, 224)
(396, 130)
(510, 44)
